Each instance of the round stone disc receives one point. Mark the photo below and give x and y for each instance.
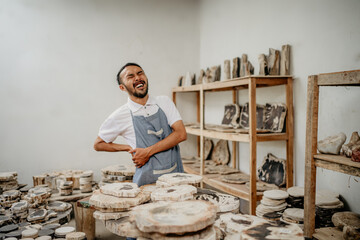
(296, 191)
(294, 213)
(341, 219)
(173, 179)
(276, 194)
(62, 231)
(174, 193)
(124, 189)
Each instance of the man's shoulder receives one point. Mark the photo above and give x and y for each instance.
(121, 111)
(162, 99)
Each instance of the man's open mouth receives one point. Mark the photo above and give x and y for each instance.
(139, 84)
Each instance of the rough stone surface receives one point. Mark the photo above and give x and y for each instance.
(246, 68)
(263, 70)
(225, 202)
(236, 68)
(174, 193)
(354, 144)
(273, 170)
(285, 60)
(274, 117)
(119, 170)
(244, 116)
(124, 189)
(274, 61)
(221, 153)
(342, 219)
(227, 74)
(355, 155)
(331, 144)
(231, 115)
(173, 179)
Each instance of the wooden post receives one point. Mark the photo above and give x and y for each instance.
(198, 119)
(85, 222)
(310, 151)
(290, 134)
(234, 143)
(252, 133)
(202, 160)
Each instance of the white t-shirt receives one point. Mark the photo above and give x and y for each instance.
(120, 123)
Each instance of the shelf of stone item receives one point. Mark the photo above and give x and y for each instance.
(337, 163)
(238, 137)
(236, 83)
(214, 180)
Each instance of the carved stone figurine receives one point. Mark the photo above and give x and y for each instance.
(201, 76)
(188, 79)
(227, 70)
(354, 144)
(263, 65)
(216, 73)
(285, 60)
(274, 61)
(246, 67)
(180, 80)
(236, 68)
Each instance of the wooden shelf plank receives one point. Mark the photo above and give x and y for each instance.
(237, 83)
(346, 78)
(337, 163)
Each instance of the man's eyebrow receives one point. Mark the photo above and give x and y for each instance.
(141, 71)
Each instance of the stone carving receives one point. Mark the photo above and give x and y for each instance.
(354, 144)
(201, 76)
(124, 189)
(191, 216)
(246, 68)
(263, 65)
(208, 147)
(285, 60)
(274, 62)
(180, 81)
(244, 116)
(227, 70)
(174, 193)
(331, 144)
(231, 115)
(274, 117)
(174, 179)
(221, 153)
(236, 68)
(273, 170)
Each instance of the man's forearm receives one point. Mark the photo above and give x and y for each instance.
(170, 141)
(101, 145)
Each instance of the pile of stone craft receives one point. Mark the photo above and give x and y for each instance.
(352, 148)
(117, 173)
(8, 181)
(262, 186)
(224, 202)
(85, 181)
(237, 178)
(65, 188)
(114, 200)
(168, 220)
(331, 144)
(239, 226)
(296, 197)
(62, 211)
(175, 179)
(273, 201)
(294, 215)
(231, 115)
(37, 196)
(349, 223)
(174, 193)
(9, 197)
(273, 170)
(327, 204)
(19, 211)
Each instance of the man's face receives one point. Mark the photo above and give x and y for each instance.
(134, 81)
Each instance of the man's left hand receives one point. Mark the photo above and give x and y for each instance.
(140, 156)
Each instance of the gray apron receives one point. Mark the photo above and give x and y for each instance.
(149, 131)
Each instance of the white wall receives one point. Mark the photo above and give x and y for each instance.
(324, 36)
(58, 66)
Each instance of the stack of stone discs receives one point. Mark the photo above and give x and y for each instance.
(8, 181)
(20, 211)
(192, 219)
(85, 181)
(10, 230)
(296, 197)
(174, 179)
(62, 210)
(224, 202)
(174, 193)
(117, 197)
(9, 197)
(61, 232)
(117, 173)
(349, 223)
(37, 215)
(37, 196)
(326, 203)
(65, 188)
(76, 236)
(294, 215)
(273, 201)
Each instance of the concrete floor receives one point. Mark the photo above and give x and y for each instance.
(100, 230)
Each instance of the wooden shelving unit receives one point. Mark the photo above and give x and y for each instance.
(251, 83)
(312, 158)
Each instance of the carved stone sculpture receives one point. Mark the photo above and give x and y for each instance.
(201, 76)
(274, 117)
(236, 68)
(208, 147)
(221, 153)
(227, 70)
(331, 144)
(354, 144)
(274, 61)
(215, 73)
(231, 115)
(174, 193)
(246, 68)
(273, 170)
(263, 65)
(244, 116)
(285, 60)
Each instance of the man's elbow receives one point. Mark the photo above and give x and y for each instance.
(183, 136)
(96, 147)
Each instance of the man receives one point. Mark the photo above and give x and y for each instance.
(151, 126)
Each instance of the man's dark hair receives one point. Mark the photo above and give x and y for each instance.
(118, 78)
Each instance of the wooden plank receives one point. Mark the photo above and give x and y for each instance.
(330, 233)
(202, 122)
(234, 143)
(290, 134)
(85, 222)
(346, 78)
(310, 151)
(342, 160)
(198, 119)
(192, 88)
(271, 82)
(252, 136)
(338, 167)
(271, 137)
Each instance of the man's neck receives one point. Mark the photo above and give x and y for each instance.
(141, 101)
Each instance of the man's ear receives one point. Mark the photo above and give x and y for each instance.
(122, 87)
